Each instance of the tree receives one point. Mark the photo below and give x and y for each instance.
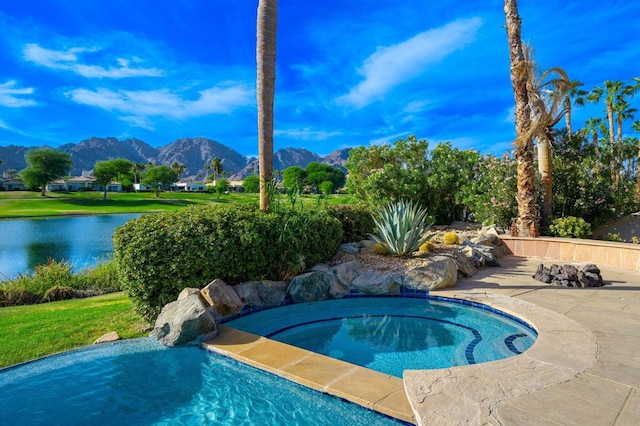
(293, 178)
(326, 187)
(251, 184)
(579, 96)
(137, 169)
(158, 177)
(178, 168)
(526, 194)
(215, 166)
(319, 172)
(222, 185)
(592, 126)
(267, 27)
(44, 166)
(107, 171)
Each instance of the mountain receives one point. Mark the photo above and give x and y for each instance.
(194, 153)
(85, 153)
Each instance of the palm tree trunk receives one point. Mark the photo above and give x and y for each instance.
(545, 168)
(612, 146)
(527, 210)
(266, 75)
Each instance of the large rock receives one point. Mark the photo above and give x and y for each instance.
(310, 287)
(347, 272)
(569, 275)
(466, 268)
(440, 272)
(222, 297)
(112, 336)
(350, 248)
(372, 282)
(184, 321)
(262, 293)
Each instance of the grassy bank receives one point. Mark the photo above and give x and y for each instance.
(16, 204)
(33, 331)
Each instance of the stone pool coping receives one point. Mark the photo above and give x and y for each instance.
(563, 351)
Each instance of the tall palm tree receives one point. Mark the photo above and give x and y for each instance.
(592, 126)
(548, 92)
(526, 194)
(579, 97)
(178, 168)
(267, 27)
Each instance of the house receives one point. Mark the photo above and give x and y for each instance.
(140, 187)
(12, 185)
(72, 184)
(188, 186)
(236, 186)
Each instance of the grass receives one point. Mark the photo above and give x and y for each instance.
(33, 331)
(16, 204)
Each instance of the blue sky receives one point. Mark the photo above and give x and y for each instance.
(349, 72)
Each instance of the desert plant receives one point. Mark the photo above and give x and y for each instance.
(570, 227)
(612, 236)
(451, 238)
(427, 247)
(401, 227)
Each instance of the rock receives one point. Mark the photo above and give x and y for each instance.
(440, 272)
(543, 274)
(490, 230)
(272, 293)
(347, 272)
(350, 248)
(109, 337)
(188, 291)
(336, 289)
(310, 287)
(248, 292)
(570, 276)
(372, 282)
(474, 255)
(222, 297)
(465, 266)
(366, 243)
(321, 267)
(183, 321)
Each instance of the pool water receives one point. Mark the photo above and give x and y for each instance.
(391, 335)
(141, 382)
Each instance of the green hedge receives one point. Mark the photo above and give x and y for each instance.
(159, 255)
(357, 221)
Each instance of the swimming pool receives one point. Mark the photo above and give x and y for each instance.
(141, 382)
(393, 334)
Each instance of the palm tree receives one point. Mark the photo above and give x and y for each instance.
(547, 93)
(636, 128)
(578, 96)
(592, 126)
(267, 27)
(526, 194)
(178, 168)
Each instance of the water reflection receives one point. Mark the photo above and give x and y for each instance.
(82, 240)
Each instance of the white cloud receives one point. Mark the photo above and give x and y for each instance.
(306, 134)
(71, 60)
(137, 106)
(11, 95)
(393, 65)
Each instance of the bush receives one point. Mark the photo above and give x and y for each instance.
(427, 247)
(357, 221)
(103, 278)
(159, 255)
(451, 238)
(59, 293)
(570, 227)
(401, 227)
(611, 236)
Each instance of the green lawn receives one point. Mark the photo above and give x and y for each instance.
(33, 331)
(15, 204)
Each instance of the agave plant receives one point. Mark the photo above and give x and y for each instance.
(401, 227)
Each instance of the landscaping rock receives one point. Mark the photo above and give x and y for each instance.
(372, 282)
(473, 254)
(321, 267)
(188, 291)
(366, 243)
(569, 275)
(440, 272)
(222, 297)
(109, 337)
(347, 272)
(465, 266)
(350, 248)
(184, 321)
(336, 289)
(248, 292)
(310, 287)
(272, 293)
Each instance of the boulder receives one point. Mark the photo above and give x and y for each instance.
(248, 292)
(465, 266)
(569, 275)
(321, 267)
(336, 289)
(222, 297)
(310, 287)
(440, 272)
(188, 291)
(272, 293)
(109, 337)
(184, 321)
(347, 272)
(350, 248)
(366, 243)
(473, 254)
(372, 282)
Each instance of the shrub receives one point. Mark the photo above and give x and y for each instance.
(380, 249)
(401, 227)
(159, 255)
(427, 247)
(611, 236)
(59, 293)
(451, 238)
(103, 278)
(570, 227)
(356, 220)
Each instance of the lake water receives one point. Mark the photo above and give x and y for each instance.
(84, 241)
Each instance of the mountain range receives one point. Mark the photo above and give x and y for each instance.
(194, 153)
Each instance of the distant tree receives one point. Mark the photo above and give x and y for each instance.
(293, 178)
(106, 171)
(326, 187)
(251, 184)
(137, 169)
(319, 172)
(215, 166)
(11, 173)
(44, 166)
(178, 168)
(158, 177)
(222, 185)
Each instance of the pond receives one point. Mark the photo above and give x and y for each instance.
(84, 241)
